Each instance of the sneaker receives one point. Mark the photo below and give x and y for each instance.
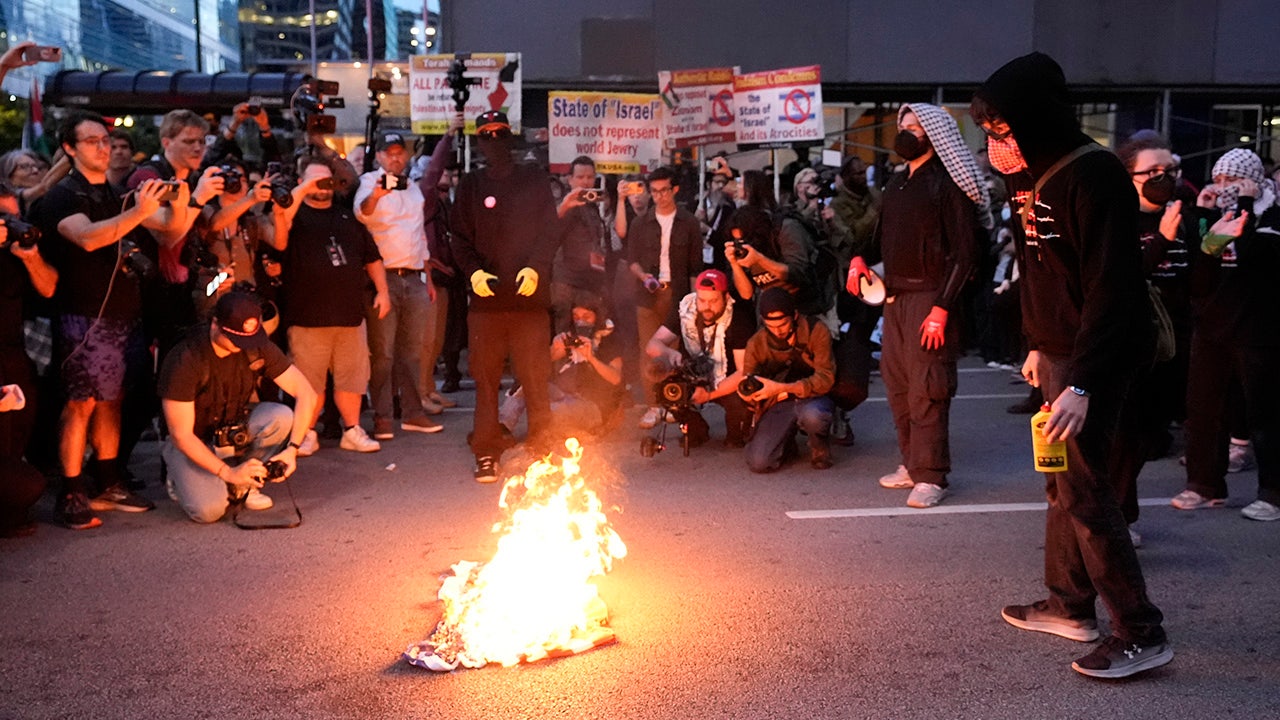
(431, 407)
(926, 495)
(650, 418)
(1192, 500)
(897, 480)
(421, 423)
(841, 433)
(1037, 617)
(117, 497)
(1261, 510)
(355, 438)
(75, 511)
(486, 468)
(442, 401)
(1240, 458)
(382, 428)
(1115, 658)
(1135, 537)
(310, 444)
(255, 500)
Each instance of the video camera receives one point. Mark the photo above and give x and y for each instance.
(675, 392)
(309, 102)
(21, 232)
(458, 81)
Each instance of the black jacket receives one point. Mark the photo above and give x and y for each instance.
(644, 247)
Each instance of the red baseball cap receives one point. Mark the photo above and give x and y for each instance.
(713, 279)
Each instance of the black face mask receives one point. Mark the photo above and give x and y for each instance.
(1158, 190)
(584, 330)
(908, 146)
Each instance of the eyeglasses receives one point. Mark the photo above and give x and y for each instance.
(662, 191)
(996, 129)
(100, 140)
(28, 167)
(1155, 172)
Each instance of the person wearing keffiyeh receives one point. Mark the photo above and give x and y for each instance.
(928, 237)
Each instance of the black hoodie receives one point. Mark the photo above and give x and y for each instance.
(1083, 291)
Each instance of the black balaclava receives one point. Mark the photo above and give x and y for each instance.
(1030, 93)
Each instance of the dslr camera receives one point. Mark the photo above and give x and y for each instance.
(232, 178)
(21, 232)
(233, 435)
(135, 264)
(275, 470)
(592, 195)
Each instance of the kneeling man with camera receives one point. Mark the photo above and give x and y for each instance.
(710, 327)
(789, 372)
(221, 449)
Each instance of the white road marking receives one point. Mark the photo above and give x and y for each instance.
(998, 396)
(938, 510)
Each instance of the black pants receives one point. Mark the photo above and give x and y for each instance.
(920, 384)
(522, 335)
(20, 484)
(1213, 366)
(1087, 551)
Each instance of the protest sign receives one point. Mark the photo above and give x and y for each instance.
(621, 132)
(778, 107)
(431, 99)
(699, 106)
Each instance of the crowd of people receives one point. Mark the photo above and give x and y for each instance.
(238, 302)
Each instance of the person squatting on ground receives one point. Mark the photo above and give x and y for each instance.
(790, 358)
(708, 323)
(928, 238)
(1088, 324)
(504, 239)
(220, 444)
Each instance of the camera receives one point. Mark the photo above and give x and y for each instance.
(42, 53)
(389, 182)
(592, 195)
(308, 105)
(736, 236)
(750, 385)
(675, 392)
(573, 340)
(133, 262)
(282, 192)
(172, 188)
(235, 435)
(232, 178)
(459, 83)
(275, 469)
(21, 232)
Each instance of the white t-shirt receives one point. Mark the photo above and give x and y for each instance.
(664, 254)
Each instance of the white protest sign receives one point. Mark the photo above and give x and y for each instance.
(779, 106)
(699, 106)
(621, 132)
(431, 99)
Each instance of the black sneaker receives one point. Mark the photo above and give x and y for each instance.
(1116, 658)
(117, 497)
(75, 511)
(486, 468)
(1038, 618)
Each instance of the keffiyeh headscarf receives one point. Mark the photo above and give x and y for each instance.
(944, 135)
(1244, 163)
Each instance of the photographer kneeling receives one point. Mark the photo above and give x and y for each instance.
(709, 324)
(218, 450)
(790, 358)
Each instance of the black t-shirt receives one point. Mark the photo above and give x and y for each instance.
(316, 292)
(84, 278)
(581, 379)
(219, 386)
(13, 289)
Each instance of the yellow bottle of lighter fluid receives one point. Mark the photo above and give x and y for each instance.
(1048, 456)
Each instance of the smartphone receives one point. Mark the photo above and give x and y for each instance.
(395, 182)
(42, 53)
(324, 184)
(171, 192)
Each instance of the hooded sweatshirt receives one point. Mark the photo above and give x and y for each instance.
(1084, 296)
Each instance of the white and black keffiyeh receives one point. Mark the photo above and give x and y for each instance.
(1244, 163)
(944, 135)
(695, 336)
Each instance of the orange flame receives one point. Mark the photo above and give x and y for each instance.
(534, 597)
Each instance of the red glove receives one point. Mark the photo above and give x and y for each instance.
(857, 271)
(933, 329)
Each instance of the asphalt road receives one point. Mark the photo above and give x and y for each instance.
(725, 607)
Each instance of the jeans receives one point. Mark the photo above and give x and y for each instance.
(1087, 550)
(778, 426)
(395, 346)
(202, 495)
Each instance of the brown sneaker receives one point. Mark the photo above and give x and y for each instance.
(382, 428)
(420, 423)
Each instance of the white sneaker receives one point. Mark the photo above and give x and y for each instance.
(255, 500)
(358, 440)
(1261, 510)
(1192, 500)
(926, 495)
(650, 418)
(1240, 457)
(899, 479)
(310, 444)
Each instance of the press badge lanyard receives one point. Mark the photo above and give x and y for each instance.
(337, 256)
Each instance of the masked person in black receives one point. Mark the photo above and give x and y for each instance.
(1088, 323)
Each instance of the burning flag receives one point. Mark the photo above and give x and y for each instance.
(534, 598)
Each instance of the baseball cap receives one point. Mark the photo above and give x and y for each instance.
(239, 317)
(713, 279)
(492, 122)
(386, 140)
(777, 301)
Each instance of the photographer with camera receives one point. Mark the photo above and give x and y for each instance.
(87, 237)
(221, 450)
(708, 323)
(584, 239)
(391, 208)
(790, 360)
(232, 141)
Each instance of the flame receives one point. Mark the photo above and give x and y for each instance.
(535, 597)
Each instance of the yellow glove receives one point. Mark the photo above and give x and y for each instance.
(528, 279)
(480, 283)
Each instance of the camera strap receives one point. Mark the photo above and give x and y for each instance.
(238, 504)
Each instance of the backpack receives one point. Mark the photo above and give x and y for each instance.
(816, 292)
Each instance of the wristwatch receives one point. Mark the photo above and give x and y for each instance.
(195, 203)
(295, 445)
(1078, 391)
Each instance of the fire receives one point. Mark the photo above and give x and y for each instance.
(535, 597)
